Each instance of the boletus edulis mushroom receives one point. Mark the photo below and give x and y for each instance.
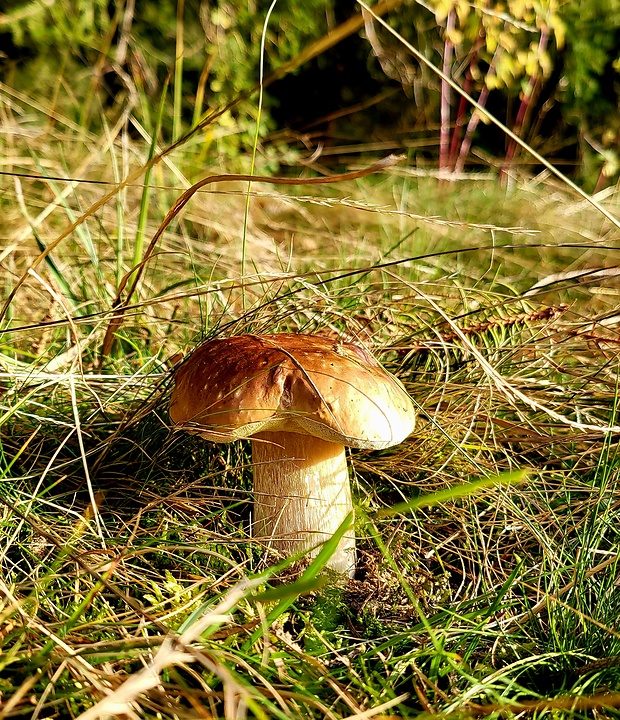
(301, 399)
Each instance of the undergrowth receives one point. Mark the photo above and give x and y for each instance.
(130, 584)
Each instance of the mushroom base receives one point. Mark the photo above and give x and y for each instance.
(302, 495)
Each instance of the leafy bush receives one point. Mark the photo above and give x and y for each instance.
(550, 70)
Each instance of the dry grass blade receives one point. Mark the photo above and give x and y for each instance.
(177, 651)
(182, 201)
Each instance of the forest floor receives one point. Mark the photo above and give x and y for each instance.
(130, 583)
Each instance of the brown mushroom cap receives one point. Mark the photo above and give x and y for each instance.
(236, 387)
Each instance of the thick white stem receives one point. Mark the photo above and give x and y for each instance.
(302, 494)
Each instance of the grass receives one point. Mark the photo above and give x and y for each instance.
(128, 576)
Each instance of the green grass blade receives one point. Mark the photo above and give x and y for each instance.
(454, 492)
(143, 215)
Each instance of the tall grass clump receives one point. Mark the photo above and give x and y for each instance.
(488, 541)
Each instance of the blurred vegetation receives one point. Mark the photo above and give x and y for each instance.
(549, 69)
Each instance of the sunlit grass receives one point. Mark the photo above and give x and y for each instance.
(120, 535)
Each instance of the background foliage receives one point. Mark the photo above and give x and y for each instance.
(549, 69)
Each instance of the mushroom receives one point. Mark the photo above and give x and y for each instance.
(301, 399)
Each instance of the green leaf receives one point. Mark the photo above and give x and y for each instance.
(293, 590)
(451, 493)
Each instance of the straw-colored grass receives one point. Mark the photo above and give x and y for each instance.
(129, 582)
